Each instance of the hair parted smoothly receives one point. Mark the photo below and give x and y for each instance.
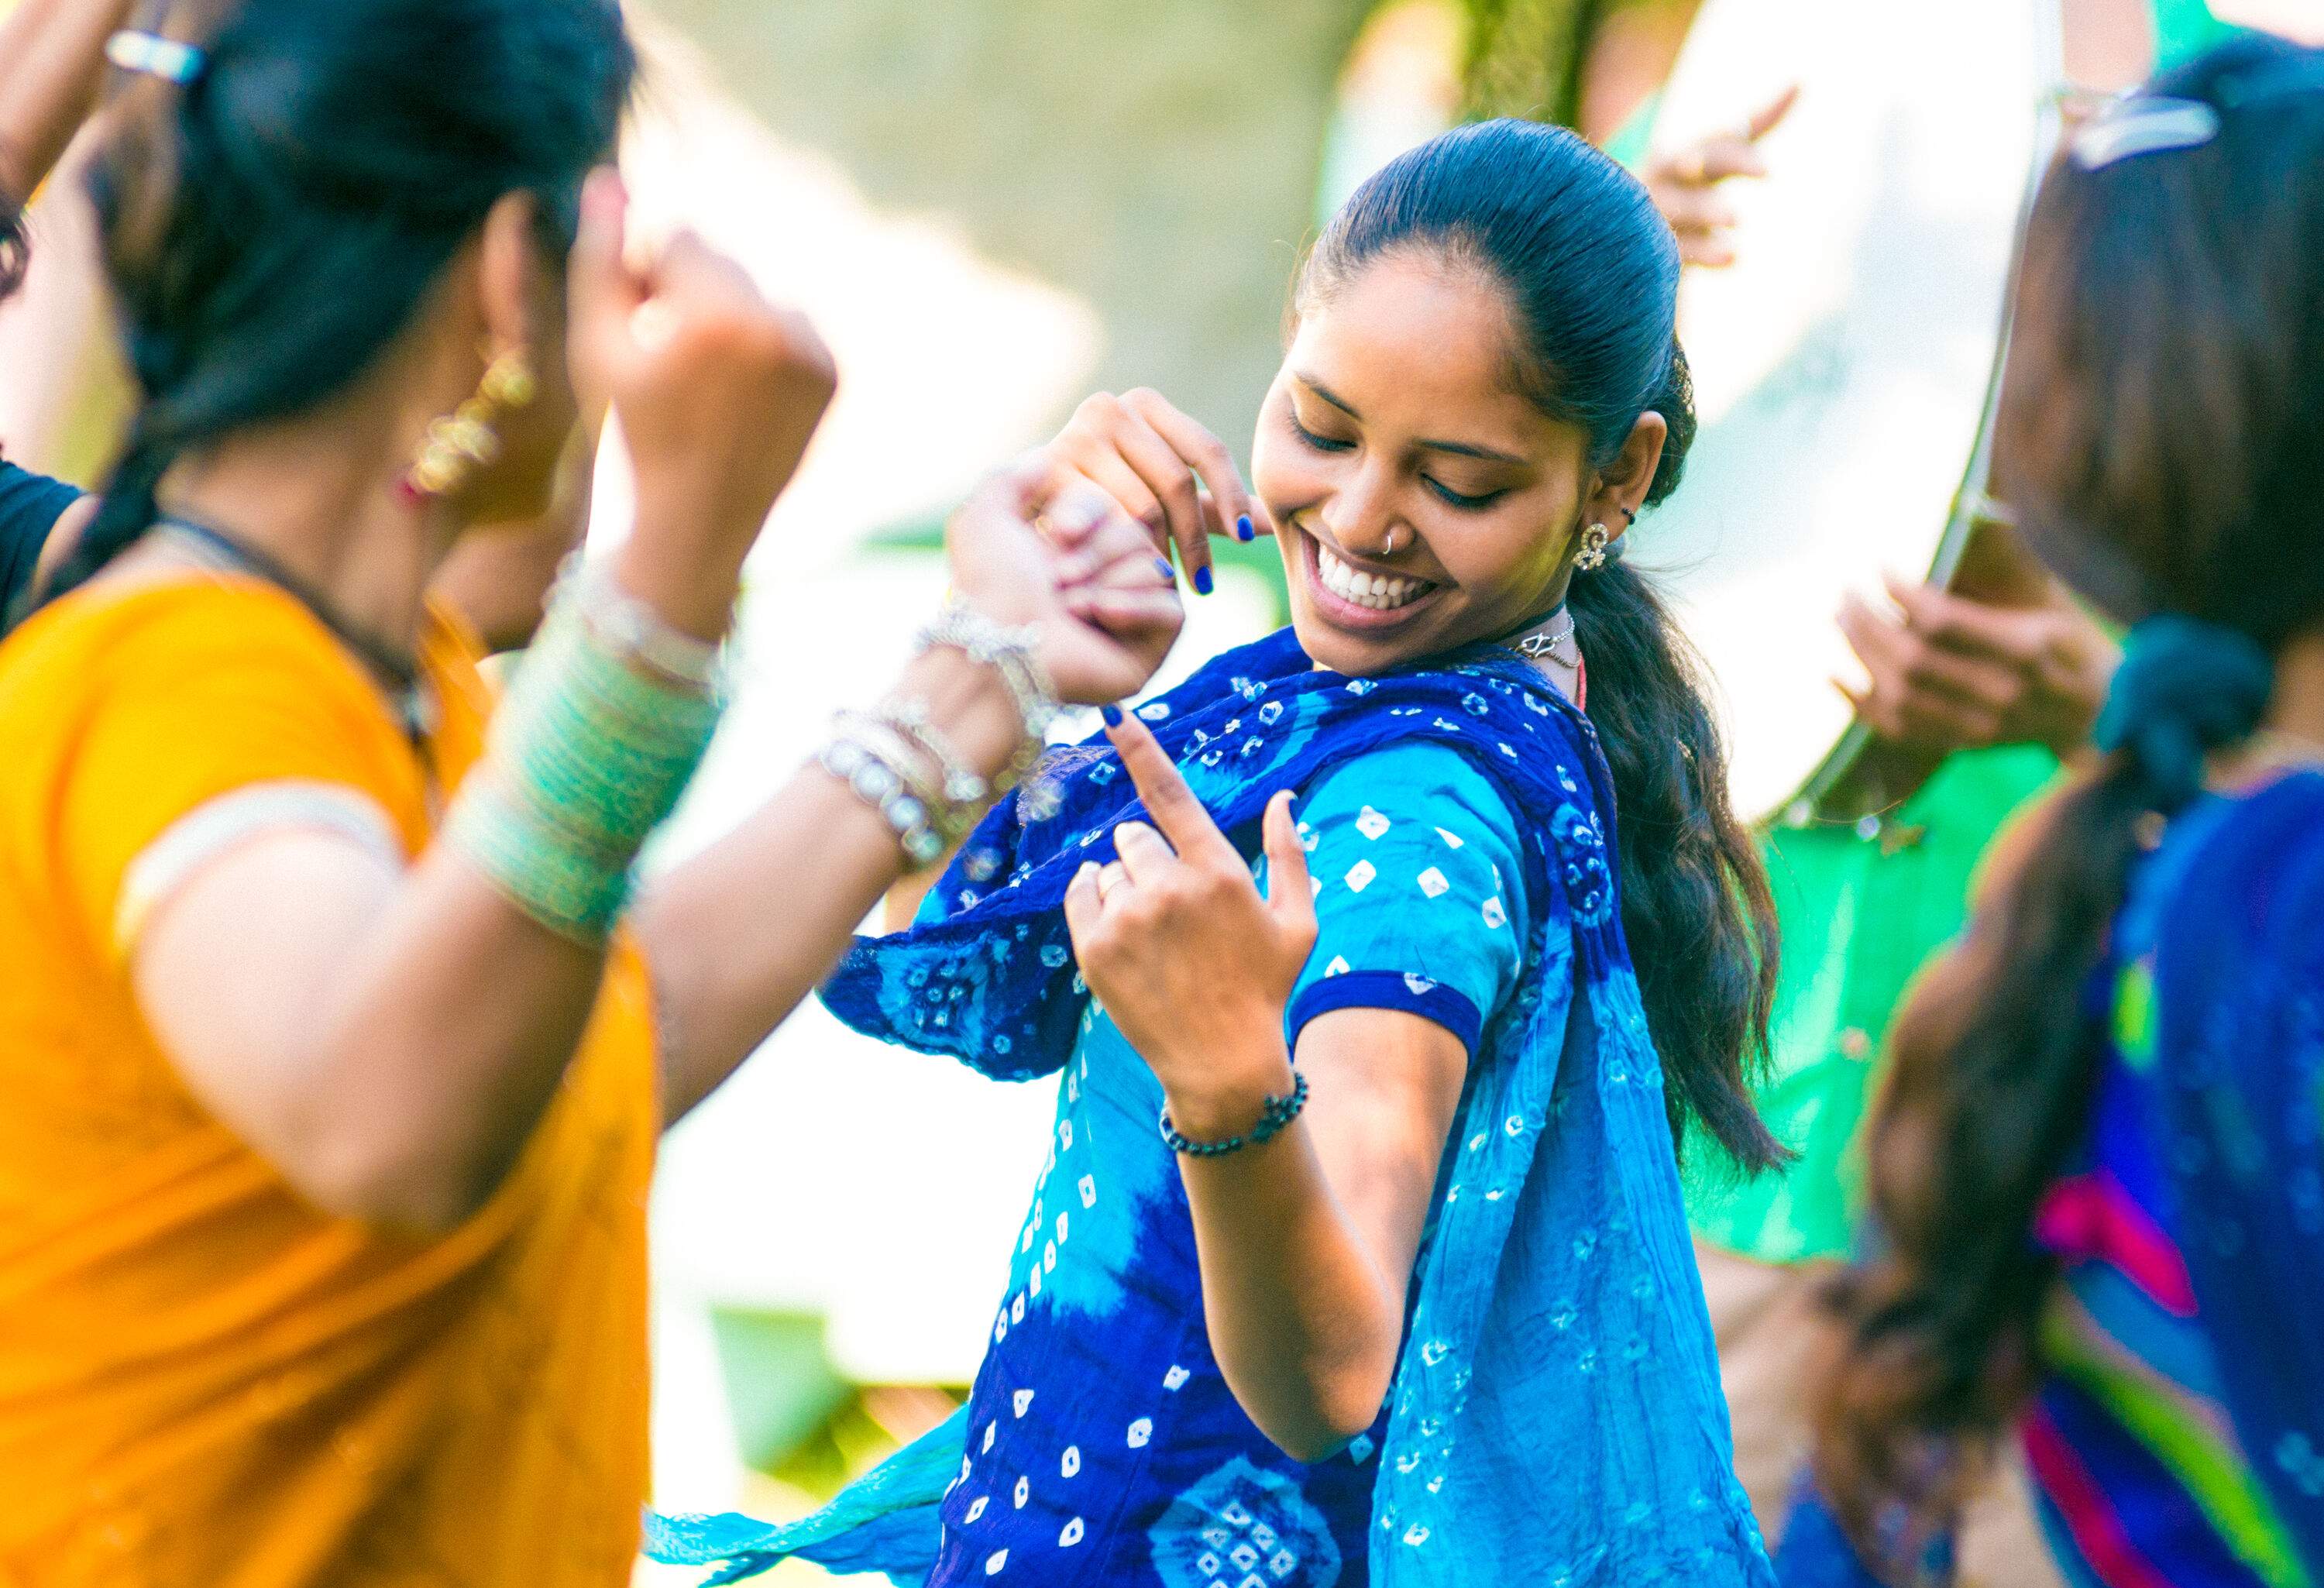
(1588, 271)
(2161, 439)
(272, 225)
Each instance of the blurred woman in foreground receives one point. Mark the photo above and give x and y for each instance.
(334, 1039)
(2098, 1169)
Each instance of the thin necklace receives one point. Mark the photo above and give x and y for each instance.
(1546, 638)
(406, 692)
(1550, 638)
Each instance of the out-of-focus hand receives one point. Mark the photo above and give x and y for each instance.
(1037, 544)
(1684, 183)
(1947, 671)
(717, 393)
(1166, 471)
(1178, 945)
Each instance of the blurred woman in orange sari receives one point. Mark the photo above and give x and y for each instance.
(335, 1034)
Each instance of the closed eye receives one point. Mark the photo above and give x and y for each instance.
(1452, 498)
(1319, 443)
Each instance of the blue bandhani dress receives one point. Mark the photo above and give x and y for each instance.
(1556, 1417)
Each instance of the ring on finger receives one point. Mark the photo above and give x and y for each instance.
(1112, 875)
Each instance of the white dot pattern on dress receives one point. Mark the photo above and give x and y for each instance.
(1359, 876)
(1432, 883)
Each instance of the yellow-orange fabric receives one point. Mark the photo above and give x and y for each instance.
(204, 1382)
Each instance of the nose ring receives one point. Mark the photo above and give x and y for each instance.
(1387, 543)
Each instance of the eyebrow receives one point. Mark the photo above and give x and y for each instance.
(1462, 448)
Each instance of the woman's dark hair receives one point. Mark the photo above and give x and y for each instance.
(15, 247)
(2161, 439)
(271, 228)
(1589, 271)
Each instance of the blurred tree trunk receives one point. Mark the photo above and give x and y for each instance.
(1160, 160)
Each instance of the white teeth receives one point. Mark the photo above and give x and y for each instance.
(1376, 591)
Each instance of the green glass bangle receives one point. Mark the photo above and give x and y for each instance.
(589, 756)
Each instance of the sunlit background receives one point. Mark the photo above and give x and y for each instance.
(992, 207)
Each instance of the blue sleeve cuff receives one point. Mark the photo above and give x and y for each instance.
(1431, 1000)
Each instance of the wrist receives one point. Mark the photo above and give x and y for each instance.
(971, 705)
(1223, 1096)
(693, 593)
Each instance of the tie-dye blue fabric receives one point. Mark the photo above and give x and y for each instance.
(1556, 1417)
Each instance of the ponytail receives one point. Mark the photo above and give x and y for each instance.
(1695, 904)
(1994, 1058)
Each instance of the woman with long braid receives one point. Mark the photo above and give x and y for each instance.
(2098, 1171)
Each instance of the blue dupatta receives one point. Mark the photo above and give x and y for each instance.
(1556, 1417)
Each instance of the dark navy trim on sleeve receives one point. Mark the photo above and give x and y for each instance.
(1431, 1000)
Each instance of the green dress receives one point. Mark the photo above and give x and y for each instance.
(1860, 909)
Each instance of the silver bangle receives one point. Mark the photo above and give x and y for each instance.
(636, 632)
(1009, 653)
(959, 794)
(888, 790)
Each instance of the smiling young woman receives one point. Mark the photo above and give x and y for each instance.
(1399, 1289)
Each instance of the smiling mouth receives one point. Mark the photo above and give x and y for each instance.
(1375, 592)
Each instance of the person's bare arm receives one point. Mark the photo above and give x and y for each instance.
(740, 935)
(1306, 1241)
(51, 65)
(388, 1037)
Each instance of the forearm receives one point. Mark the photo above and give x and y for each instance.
(442, 1044)
(1303, 1321)
(51, 62)
(741, 933)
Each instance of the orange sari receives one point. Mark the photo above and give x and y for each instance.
(204, 1380)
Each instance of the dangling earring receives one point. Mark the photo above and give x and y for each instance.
(465, 440)
(1593, 548)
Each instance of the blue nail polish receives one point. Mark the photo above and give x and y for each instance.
(1243, 531)
(1162, 565)
(1113, 715)
(1201, 581)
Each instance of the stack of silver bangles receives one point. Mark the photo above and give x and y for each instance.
(898, 761)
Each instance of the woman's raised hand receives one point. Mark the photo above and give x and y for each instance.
(1166, 471)
(1684, 183)
(717, 392)
(1176, 941)
(1036, 544)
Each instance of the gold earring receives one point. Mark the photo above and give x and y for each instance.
(1593, 548)
(466, 438)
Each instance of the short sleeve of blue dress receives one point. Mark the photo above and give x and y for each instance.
(1419, 905)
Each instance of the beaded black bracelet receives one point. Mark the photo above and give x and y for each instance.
(1276, 1113)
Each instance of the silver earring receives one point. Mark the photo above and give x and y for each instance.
(1593, 548)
